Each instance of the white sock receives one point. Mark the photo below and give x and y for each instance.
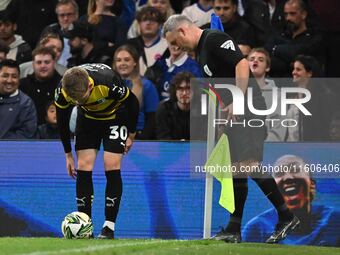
(109, 224)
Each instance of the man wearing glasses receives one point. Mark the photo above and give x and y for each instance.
(173, 116)
(67, 12)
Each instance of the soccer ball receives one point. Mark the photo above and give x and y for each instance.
(77, 225)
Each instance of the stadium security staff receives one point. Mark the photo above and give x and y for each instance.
(220, 57)
(107, 113)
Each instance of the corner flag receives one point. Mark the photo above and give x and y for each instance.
(218, 161)
(215, 22)
(220, 156)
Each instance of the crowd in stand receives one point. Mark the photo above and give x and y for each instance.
(39, 39)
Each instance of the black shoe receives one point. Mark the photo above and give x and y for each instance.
(106, 233)
(283, 229)
(223, 235)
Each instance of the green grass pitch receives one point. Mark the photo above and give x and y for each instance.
(56, 246)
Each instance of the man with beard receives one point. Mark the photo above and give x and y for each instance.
(40, 85)
(296, 38)
(83, 49)
(173, 116)
(319, 223)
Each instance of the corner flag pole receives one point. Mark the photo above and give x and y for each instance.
(215, 23)
(209, 178)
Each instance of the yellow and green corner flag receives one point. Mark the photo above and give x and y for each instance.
(220, 156)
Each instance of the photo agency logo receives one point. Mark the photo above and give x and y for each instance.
(282, 99)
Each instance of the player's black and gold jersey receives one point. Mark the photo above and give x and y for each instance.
(107, 94)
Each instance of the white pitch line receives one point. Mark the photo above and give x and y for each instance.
(95, 248)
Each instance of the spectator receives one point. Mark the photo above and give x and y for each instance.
(31, 17)
(162, 72)
(41, 85)
(49, 130)
(19, 49)
(173, 116)
(17, 112)
(233, 24)
(83, 49)
(259, 63)
(4, 49)
(297, 38)
(150, 45)
(126, 63)
(108, 30)
(265, 18)
(318, 222)
(53, 41)
(164, 6)
(67, 12)
(200, 12)
(321, 105)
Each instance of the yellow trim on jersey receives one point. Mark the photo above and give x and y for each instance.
(98, 118)
(65, 95)
(61, 106)
(100, 105)
(91, 82)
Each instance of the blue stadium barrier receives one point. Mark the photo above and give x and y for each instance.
(160, 198)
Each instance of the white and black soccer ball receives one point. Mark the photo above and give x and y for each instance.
(77, 225)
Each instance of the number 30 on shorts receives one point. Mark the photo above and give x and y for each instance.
(118, 132)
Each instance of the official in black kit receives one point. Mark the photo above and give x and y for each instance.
(220, 57)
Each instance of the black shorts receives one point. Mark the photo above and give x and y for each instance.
(89, 133)
(246, 142)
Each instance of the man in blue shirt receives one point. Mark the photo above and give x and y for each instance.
(319, 224)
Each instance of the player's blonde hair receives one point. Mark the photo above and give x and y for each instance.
(75, 82)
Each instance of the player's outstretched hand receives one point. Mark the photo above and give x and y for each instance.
(70, 165)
